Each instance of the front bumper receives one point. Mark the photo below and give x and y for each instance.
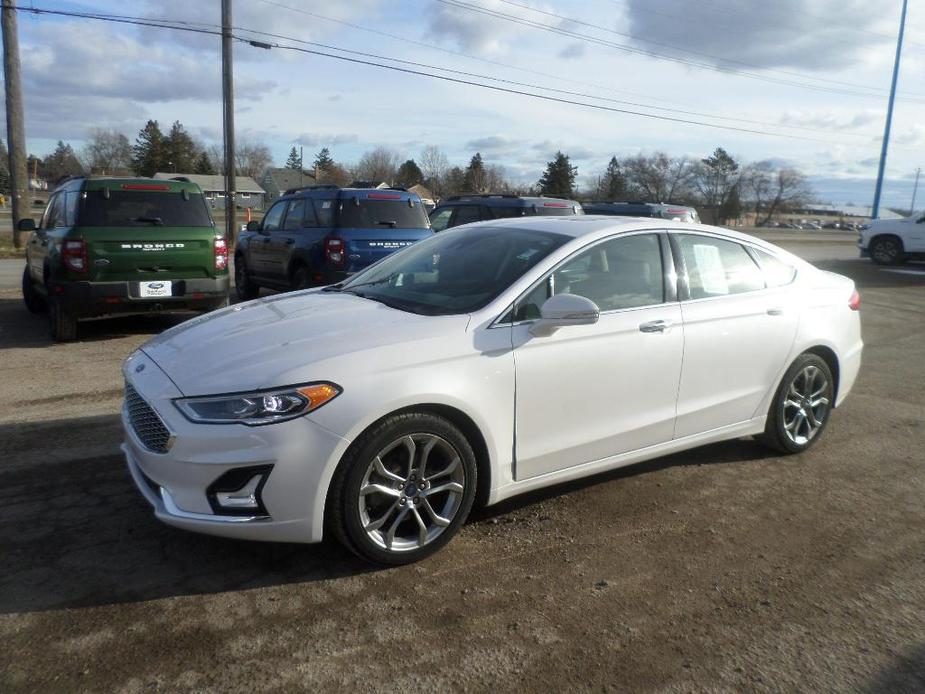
(87, 299)
(302, 455)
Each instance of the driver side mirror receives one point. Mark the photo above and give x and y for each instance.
(563, 310)
(253, 225)
(26, 224)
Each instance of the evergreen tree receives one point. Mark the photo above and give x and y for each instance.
(474, 179)
(559, 178)
(613, 186)
(294, 161)
(180, 150)
(149, 155)
(203, 164)
(323, 160)
(409, 174)
(62, 162)
(4, 168)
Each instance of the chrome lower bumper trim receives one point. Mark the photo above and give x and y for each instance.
(171, 508)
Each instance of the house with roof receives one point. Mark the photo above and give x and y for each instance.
(248, 194)
(276, 181)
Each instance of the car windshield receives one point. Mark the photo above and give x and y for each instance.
(127, 208)
(456, 271)
(365, 213)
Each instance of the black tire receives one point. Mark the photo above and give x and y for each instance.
(887, 250)
(780, 432)
(344, 512)
(301, 278)
(34, 301)
(62, 324)
(244, 286)
(224, 303)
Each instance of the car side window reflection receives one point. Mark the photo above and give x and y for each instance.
(441, 220)
(274, 217)
(716, 267)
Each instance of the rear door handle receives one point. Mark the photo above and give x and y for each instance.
(655, 326)
(775, 311)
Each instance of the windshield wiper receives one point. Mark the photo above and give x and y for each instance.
(334, 287)
(156, 221)
(381, 280)
(384, 302)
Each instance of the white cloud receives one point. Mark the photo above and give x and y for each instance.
(326, 139)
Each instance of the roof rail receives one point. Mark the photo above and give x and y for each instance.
(483, 195)
(315, 186)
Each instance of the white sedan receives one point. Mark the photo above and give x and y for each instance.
(481, 363)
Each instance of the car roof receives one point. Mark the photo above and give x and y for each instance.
(504, 200)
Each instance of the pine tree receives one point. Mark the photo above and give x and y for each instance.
(203, 165)
(559, 178)
(294, 161)
(614, 184)
(62, 162)
(409, 174)
(180, 150)
(149, 152)
(323, 160)
(474, 178)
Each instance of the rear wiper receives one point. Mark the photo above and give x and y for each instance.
(387, 223)
(156, 221)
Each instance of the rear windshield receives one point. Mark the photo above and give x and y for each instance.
(129, 208)
(360, 212)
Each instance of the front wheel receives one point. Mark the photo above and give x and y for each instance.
(886, 250)
(403, 489)
(801, 406)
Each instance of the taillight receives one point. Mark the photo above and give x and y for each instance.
(220, 251)
(334, 251)
(74, 255)
(854, 303)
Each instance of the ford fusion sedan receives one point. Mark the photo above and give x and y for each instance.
(480, 363)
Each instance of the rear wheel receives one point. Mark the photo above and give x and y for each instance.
(403, 489)
(62, 324)
(886, 250)
(801, 406)
(301, 278)
(244, 286)
(34, 301)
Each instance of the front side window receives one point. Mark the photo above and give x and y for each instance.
(274, 217)
(777, 273)
(456, 271)
(716, 267)
(47, 216)
(441, 220)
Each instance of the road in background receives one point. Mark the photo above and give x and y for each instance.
(725, 568)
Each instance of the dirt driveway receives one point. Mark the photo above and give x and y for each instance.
(722, 569)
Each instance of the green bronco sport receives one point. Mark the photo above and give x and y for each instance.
(123, 245)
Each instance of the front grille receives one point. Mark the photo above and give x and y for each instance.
(147, 424)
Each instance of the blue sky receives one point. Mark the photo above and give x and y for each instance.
(813, 70)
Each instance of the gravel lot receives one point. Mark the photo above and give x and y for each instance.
(726, 568)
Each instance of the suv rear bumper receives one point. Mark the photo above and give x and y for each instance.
(87, 299)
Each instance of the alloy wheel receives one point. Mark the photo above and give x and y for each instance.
(806, 405)
(886, 251)
(411, 491)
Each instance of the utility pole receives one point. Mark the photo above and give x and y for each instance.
(915, 190)
(15, 120)
(231, 232)
(301, 165)
(875, 210)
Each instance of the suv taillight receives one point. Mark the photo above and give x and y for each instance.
(220, 251)
(334, 252)
(74, 255)
(854, 303)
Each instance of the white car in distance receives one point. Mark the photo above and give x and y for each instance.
(484, 362)
(893, 241)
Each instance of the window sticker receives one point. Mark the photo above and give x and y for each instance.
(710, 267)
(325, 205)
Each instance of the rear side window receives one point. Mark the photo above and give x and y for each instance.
(466, 214)
(506, 212)
(716, 267)
(554, 209)
(294, 215)
(324, 211)
(381, 214)
(777, 273)
(142, 208)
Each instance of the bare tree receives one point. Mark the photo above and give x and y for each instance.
(434, 166)
(107, 152)
(379, 164)
(789, 189)
(252, 158)
(658, 177)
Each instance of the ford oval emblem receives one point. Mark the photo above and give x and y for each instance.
(156, 285)
(139, 368)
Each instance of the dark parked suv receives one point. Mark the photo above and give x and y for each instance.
(322, 234)
(463, 209)
(661, 210)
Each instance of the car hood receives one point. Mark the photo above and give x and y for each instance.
(287, 339)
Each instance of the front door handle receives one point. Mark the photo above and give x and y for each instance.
(775, 311)
(655, 326)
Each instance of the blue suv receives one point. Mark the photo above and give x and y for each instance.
(322, 234)
(463, 209)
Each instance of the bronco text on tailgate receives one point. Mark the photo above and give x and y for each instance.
(322, 234)
(123, 245)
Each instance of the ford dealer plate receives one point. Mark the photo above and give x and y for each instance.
(150, 289)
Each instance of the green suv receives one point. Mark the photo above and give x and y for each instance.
(123, 245)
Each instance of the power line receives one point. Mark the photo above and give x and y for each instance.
(711, 56)
(652, 54)
(169, 24)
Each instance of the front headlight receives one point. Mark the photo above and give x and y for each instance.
(259, 407)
